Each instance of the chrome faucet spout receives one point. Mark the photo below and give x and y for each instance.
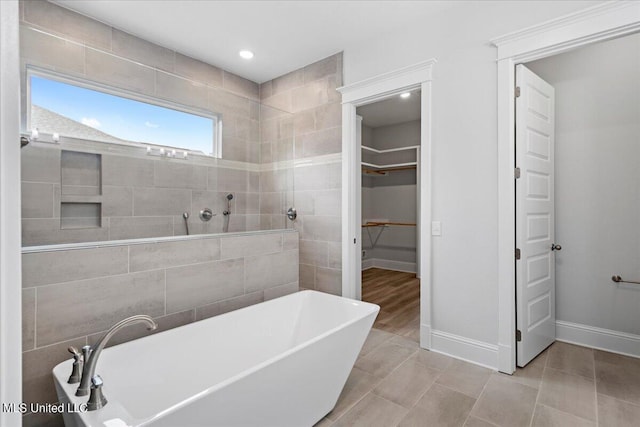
(93, 354)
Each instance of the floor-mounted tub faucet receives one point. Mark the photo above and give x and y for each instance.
(92, 383)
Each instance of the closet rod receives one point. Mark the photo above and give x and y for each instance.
(383, 171)
(619, 279)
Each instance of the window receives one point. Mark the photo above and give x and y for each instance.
(73, 109)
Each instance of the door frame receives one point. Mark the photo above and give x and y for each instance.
(598, 23)
(10, 240)
(417, 76)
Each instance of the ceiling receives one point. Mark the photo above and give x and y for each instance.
(391, 111)
(284, 35)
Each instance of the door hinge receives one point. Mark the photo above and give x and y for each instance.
(517, 91)
(516, 173)
(517, 253)
(518, 335)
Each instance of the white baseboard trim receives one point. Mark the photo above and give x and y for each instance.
(425, 336)
(601, 339)
(469, 350)
(386, 264)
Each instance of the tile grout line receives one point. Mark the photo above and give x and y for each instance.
(477, 400)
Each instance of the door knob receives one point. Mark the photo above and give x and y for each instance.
(555, 247)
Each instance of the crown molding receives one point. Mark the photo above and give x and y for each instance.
(570, 31)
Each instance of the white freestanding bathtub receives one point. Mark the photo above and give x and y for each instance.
(280, 363)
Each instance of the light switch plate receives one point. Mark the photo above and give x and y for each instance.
(436, 228)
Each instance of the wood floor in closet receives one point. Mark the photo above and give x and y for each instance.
(398, 295)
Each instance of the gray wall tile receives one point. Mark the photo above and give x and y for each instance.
(119, 72)
(71, 24)
(150, 256)
(28, 319)
(324, 228)
(44, 268)
(127, 171)
(314, 253)
(318, 177)
(98, 304)
(319, 143)
(243, 246)
(181, 90)
(287, 82)
(228, 305)
(266, 271)
(290, 241)
(140, 330)
(40, 163)
(280, 291)
(132, 47)
(47, 232)
(329, 280)
(240, 85)
(37, 200)
(37, 379)
(177, 174)
(307, 276)
(202, 284)
(160, 201)
(198, 70)
(328, 202)
(232, 180)
(40, 49)
(117, 201)
(138, 227)
(322, 68)
(335, 255)
(311, 95)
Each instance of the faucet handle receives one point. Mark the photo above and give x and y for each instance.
(77, 362)
(96, 399)
(86, 352)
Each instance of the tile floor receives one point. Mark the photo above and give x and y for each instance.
(395, 383)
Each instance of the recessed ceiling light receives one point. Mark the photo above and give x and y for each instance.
(246, 54)
(405, 95)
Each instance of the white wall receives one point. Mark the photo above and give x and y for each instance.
(464, 274)
(597, 182)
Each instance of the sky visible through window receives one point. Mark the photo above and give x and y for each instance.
(124, 118)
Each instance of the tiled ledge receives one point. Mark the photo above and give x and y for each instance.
(129, 242)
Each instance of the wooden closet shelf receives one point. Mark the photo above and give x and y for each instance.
(383, 171)
(378, 224)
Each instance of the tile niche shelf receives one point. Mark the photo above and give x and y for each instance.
(80, 190)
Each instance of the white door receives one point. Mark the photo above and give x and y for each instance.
(535, 270)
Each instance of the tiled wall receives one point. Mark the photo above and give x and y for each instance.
(310, 94)
(144, 196)
(141, 196)
(70, 297)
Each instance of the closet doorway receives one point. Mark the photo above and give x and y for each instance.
(390, 132)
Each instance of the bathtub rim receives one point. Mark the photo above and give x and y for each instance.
(370, 309)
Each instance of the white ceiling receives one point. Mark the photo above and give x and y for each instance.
(391, 111)
(284, 35)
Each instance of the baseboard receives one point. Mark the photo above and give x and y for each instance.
(367, 264)
(425, 336)
(469, 350)
(601, 339)
(386, 264)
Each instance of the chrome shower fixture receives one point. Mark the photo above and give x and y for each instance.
(186, 223)
(228, 211)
